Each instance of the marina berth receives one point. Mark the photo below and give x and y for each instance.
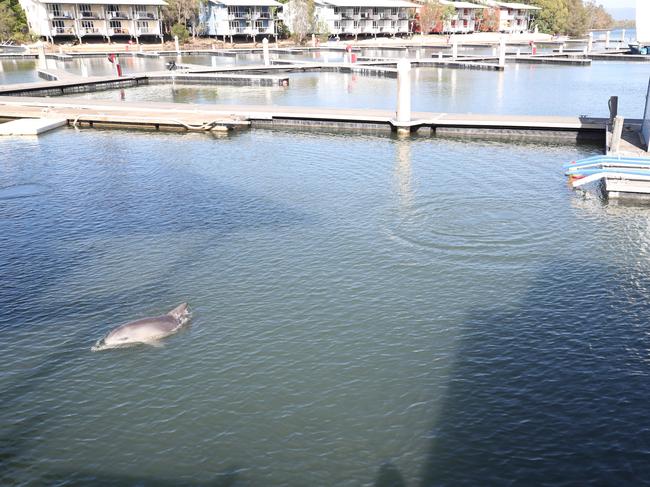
(60, 19)
(239, 17)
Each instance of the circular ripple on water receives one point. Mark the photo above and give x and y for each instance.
(461, 225)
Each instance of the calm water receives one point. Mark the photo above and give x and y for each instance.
(521, 89)
(365, 309)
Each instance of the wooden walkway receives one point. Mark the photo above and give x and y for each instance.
(194, 117)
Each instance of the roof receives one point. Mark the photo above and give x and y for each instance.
(109, 2)
(371, 3)
(247, 3)
(461, 4)
(518, 6)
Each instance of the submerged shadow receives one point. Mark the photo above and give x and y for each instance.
(553, 392)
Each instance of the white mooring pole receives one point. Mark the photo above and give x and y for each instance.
(265, 51)
(502, 52)
(403, 91)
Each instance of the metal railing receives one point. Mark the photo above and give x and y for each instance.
(145, 16)
(117, 15)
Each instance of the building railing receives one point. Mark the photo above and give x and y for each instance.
(90, 15)
(118, 15)
(64, 31)
(145, 31)
(118, 31)
(145, 16)
(60, 15)
(90, 30)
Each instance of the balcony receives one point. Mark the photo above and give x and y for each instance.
(118, 31)
(145, 16)
(117, 15)
(60, 15)
(90, 31)
(143, 31)
(90, 15)
(63, 31)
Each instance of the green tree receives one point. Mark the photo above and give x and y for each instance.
(554, 16)
(577, 21)
(181, 12)
(13, 22)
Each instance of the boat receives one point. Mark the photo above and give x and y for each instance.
(642, 44)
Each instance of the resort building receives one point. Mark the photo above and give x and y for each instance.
(56, 19)
(464, 19)
(513, 17)
(239, 17)
(358, 17)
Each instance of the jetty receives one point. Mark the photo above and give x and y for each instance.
(180, 116)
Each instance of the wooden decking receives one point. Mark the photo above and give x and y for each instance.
(183, 116)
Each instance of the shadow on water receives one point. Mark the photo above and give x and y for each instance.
(554, 391)
(389, 476)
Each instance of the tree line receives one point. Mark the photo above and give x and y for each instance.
(569, 17)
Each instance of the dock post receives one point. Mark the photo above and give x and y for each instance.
(178, 49)
(590, 43)
(265, 51)
(617, 131)
(440, 55)
(518, 51)
(613, 108)
(403, 93)
(561, 49)
(84, 69)
(313, 40)
(502, 52)
(42, 61)
(607, 39)
(623, 36)
(454, 48)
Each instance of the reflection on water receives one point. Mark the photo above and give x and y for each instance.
(521, 89)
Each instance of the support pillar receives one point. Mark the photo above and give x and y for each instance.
(607, 39)
(454, 48)
(265, 51)
(590, 43)
(42, 61)
(403, 92)
(176, 45)
(502, 52)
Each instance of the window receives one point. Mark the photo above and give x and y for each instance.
(55, 9)
(393, 11)
(89, 25)
(112, 8)
(141, 9)
(356, 10)
(84, 7)
(115, 24)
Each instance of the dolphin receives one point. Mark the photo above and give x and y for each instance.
(146, 330)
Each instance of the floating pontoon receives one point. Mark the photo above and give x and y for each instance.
(620, 176)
